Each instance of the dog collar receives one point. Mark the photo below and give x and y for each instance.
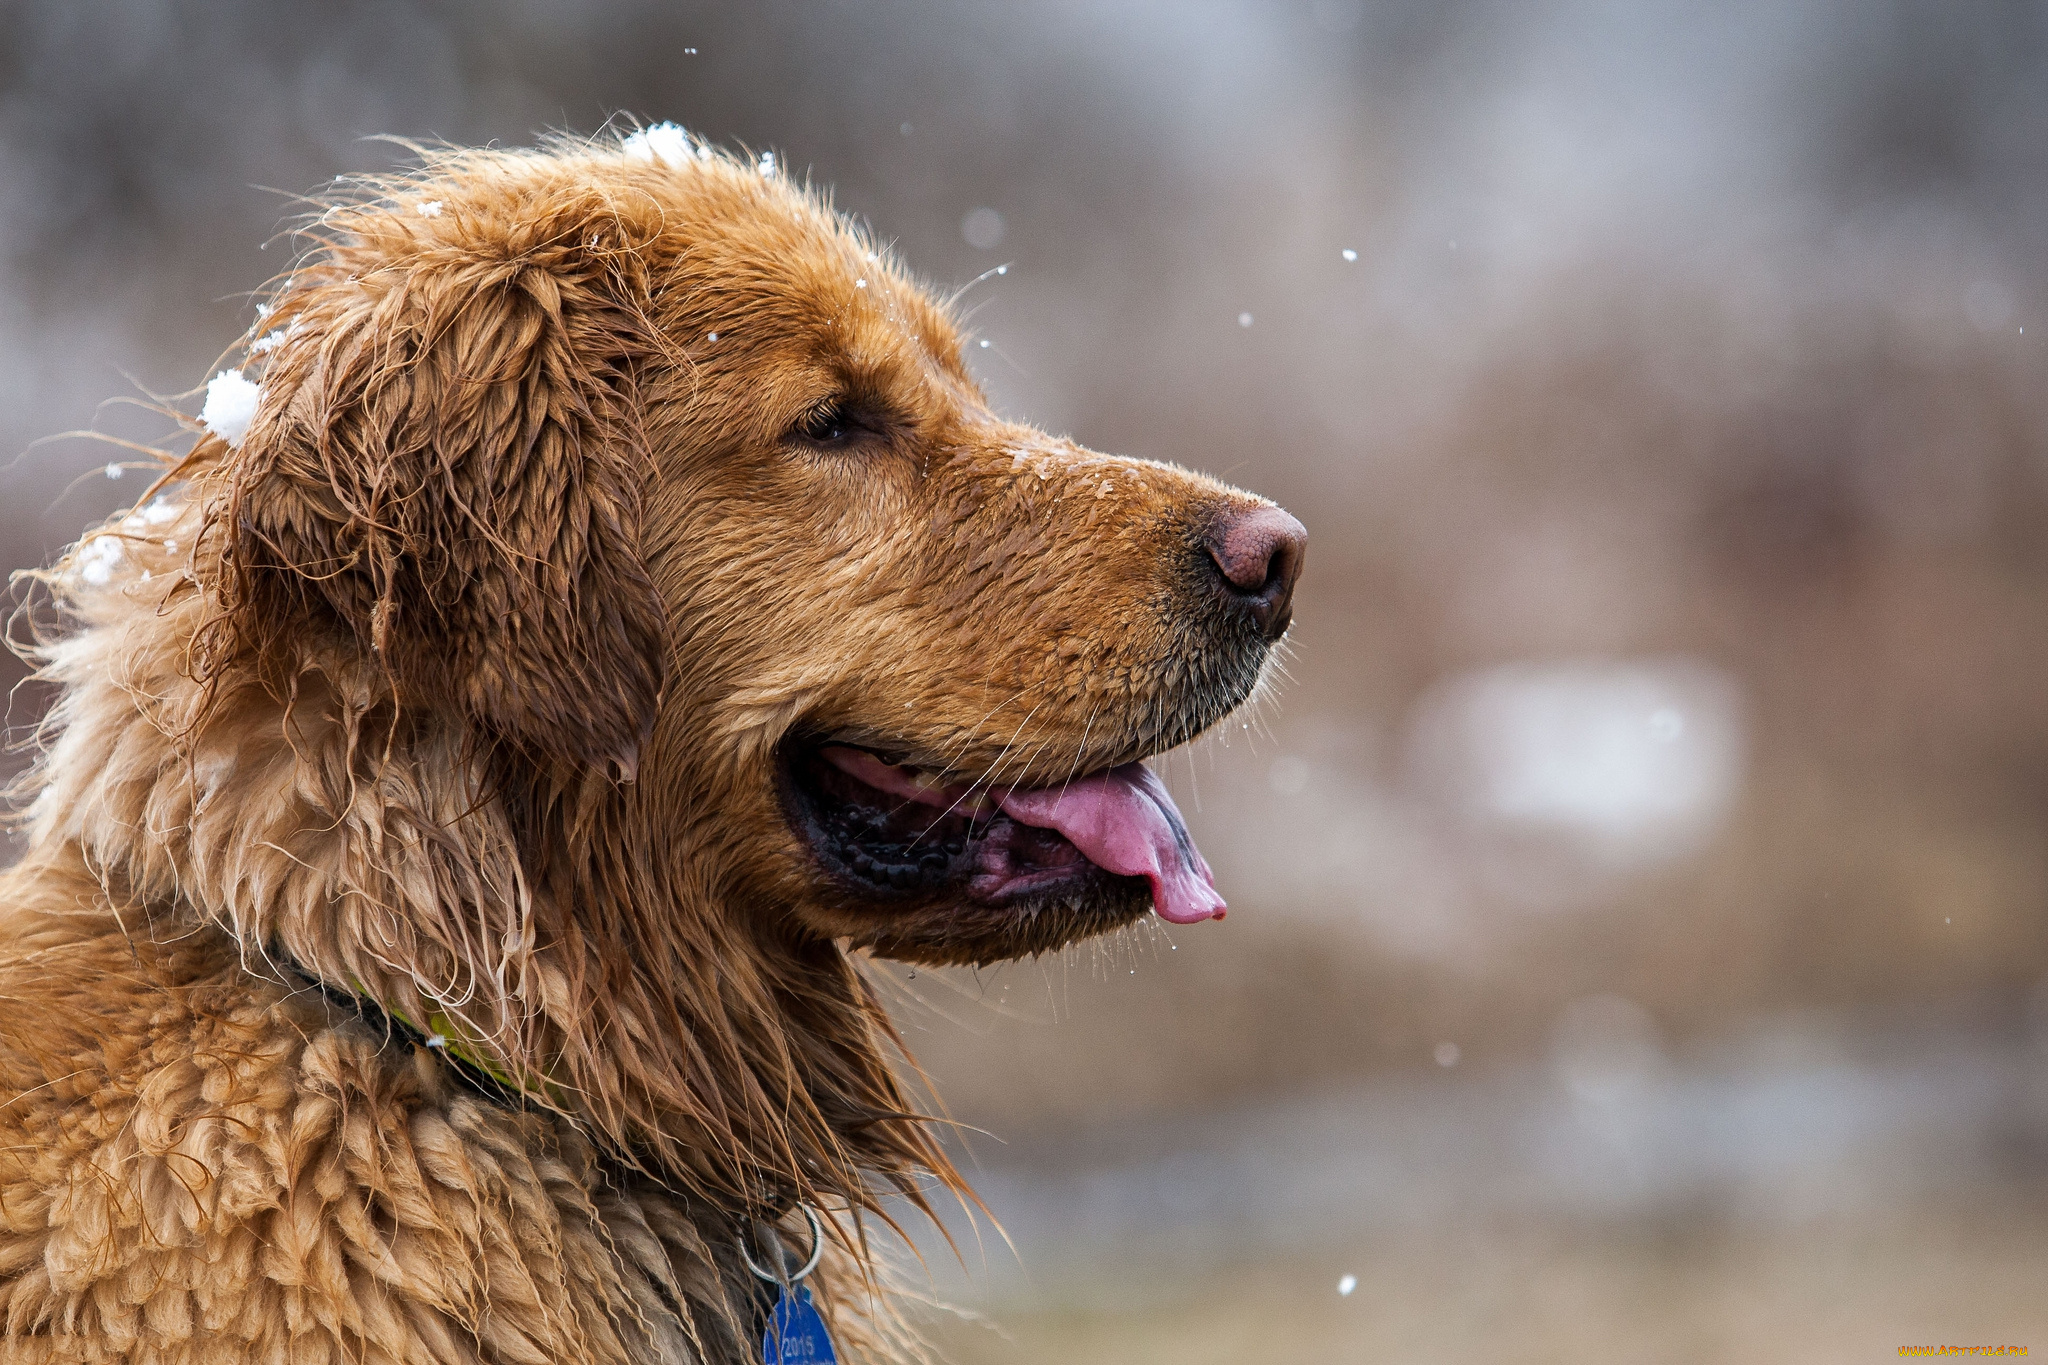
(468, 1056)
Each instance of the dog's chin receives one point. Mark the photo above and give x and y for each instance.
(945, 882)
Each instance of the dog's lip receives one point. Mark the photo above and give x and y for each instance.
(907, 781)
(1121, 819)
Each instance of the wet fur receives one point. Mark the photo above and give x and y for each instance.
(460, 687)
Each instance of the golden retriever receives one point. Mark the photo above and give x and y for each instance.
(480, 765)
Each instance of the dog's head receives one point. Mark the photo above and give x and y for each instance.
(618, 599)
(664, 483)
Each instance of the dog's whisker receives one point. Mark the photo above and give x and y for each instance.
(1074, 767)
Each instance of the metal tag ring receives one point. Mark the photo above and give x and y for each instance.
(817, 1250)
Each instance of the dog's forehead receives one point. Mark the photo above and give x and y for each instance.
(754, 278)
(766, 261)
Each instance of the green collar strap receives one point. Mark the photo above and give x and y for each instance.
(446, 1035)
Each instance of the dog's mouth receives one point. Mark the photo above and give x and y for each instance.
(890, 833)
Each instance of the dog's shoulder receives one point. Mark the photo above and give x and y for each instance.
(200, 1161)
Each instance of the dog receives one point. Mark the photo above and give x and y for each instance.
(601, 612)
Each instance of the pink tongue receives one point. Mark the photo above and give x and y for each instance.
(1124, 822)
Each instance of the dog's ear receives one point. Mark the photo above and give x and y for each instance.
(445, 472)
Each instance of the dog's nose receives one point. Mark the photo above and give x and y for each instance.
(1258, 551)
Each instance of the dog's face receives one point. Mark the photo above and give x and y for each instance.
(894, 610)
(884, 661)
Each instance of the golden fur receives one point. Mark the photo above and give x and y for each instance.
(454, 692)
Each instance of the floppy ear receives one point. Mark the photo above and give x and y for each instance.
(445, 470)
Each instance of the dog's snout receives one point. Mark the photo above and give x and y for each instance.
(1258, 552)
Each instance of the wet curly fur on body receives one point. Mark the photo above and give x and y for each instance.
(439, 937)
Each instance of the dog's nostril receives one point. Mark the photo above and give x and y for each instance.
(1258, 551)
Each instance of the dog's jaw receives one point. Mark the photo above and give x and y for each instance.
(943, 873)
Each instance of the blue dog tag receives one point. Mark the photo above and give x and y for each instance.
(796, 1334)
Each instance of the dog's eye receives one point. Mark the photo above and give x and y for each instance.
(831, 424)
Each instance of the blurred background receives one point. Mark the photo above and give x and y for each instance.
(1640, 889)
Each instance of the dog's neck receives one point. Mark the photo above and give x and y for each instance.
(545, 927)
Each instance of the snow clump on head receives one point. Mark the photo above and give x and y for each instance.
(96, 561)
(663, 142)
(230, 406)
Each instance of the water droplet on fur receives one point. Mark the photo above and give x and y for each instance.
(1349, 254)
(689, 52)
(1346, 1285)
(1002, 270)
(711, 336)
(860, 284)
(114, 471)
(984, 343)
